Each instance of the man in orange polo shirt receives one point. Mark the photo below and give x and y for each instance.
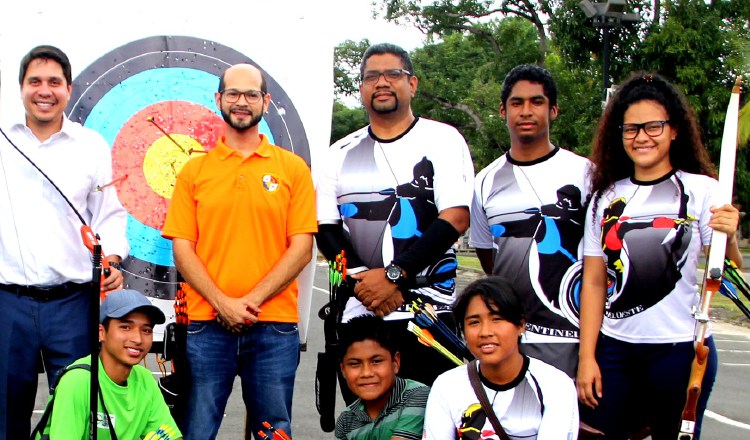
(241, 222)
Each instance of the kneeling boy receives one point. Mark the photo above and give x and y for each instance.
(134, 403)
(388, 407)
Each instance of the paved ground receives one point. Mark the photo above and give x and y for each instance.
(727, 419)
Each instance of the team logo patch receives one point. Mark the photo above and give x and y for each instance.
(270, 182)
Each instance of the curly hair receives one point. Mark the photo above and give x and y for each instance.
(686, 152)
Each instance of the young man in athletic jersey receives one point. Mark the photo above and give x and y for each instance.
(527, 217)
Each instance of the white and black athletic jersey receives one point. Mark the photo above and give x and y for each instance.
(650, 234)
(531, 215)
(541, 403)
(388, 192)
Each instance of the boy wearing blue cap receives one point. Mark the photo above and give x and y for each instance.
(135, 407)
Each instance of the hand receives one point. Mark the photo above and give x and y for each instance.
(725, 219)
(389, 305)
(373, 289)
(589, 380)
(113, 281)
(236, 312)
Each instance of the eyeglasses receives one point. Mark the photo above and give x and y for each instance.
(651, 128)
(251, 96)
(392, 75)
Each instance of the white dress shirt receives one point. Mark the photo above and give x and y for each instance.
(40, 238)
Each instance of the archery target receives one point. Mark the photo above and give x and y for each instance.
(153, 101)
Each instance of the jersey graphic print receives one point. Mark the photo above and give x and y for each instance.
(645, 251)
(523, 406)
(536, 243)
(388, 218)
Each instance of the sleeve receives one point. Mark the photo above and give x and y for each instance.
(326, 184)
(181, 221)
(411, 420)
(438, 420)
(560, 420)
(480, 235)
(592, 229)
(301, 219)
(160, 423)
(108, 217)
(71, 404)
(454, 170)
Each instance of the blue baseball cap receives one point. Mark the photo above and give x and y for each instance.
(121, 302)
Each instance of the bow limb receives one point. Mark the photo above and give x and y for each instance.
(714, 267)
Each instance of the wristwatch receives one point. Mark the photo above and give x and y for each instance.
(394, 273)
(114, 264)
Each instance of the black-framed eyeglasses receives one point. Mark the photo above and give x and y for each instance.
(251, 96)
(391, 75)
(651, 128)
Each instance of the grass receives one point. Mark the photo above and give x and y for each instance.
(469, 261)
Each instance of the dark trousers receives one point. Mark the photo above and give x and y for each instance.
(54, 333)
(646, 384)
(418, 361)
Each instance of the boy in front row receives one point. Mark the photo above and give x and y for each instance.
(388, 407)
(134, 403)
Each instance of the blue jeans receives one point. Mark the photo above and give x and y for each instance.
(646, 384)
(265, 357)
(56, 329)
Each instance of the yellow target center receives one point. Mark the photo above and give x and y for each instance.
(164, 160)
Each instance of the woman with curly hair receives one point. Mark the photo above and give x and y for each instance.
(651, 213)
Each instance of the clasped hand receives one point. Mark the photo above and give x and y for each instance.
(375, 292)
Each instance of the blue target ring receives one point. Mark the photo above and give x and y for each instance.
(114, 88)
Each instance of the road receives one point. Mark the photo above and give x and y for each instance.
(727, 419)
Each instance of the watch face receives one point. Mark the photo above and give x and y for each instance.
(393, 273)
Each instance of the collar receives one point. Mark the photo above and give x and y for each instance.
(68, 129)
(532, 162)
(223, 151)
(393, 139)
(510, 385)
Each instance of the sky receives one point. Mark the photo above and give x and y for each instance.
(358, 23)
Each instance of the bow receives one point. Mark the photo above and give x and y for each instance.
(714, 267)
(99, 264)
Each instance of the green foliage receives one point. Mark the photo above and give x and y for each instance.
(346, 59)
(346, 120)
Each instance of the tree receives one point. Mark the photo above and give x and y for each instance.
(346, 120)
(445, 17)
(346, 60)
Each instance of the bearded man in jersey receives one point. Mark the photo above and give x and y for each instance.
(395, 196)
(527, 218)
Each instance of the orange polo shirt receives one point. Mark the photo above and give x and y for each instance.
(240, 212)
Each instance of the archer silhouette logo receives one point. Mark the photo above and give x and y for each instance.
(270, 182)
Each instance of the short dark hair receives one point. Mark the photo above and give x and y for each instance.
(498, 295)
(386, 48)
(362, 328)
(263, 85)
(46, 52)
(534, 74)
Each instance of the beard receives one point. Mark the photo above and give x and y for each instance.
(384, 108)
(241, 125)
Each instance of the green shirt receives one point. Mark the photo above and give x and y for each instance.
(137, 410)
(403, 415)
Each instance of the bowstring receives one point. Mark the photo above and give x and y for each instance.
(12, 211)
